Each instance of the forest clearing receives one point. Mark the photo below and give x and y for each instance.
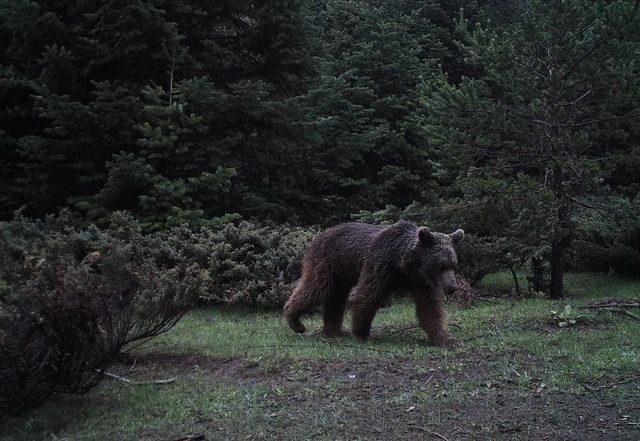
(240, 374)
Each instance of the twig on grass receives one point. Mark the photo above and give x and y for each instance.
(364, 347)
(605, 386)
(622, 311)
(195, 437)
(475, 337)
(401, 330)
(136, 383)
(436, 434)
(614, 303)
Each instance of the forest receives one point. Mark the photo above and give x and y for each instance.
(163, 161)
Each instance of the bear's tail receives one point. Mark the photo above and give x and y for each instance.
(302, 300)
(311, 290)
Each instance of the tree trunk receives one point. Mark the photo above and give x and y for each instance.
(516, 285)
(559, 245)
(562, 237)
(537, 277)
(556, 286)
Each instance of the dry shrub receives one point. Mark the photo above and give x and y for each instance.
(66, 313)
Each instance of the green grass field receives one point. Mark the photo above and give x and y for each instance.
(242, 374)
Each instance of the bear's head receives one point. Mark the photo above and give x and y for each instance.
(434, 259)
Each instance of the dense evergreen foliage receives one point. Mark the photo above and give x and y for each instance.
(175, 111)
(545, 122)
(517, 121)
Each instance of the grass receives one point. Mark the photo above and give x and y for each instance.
(577, 285)
(253, 378)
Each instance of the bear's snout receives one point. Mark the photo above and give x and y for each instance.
(447, 281)
(449, 289)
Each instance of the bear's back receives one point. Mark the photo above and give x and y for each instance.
(344, 247)
(348, 237)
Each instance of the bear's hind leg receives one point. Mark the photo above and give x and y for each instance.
(362, 317)
(333, 313)
(364, 302)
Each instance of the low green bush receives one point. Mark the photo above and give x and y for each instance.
(244, 264)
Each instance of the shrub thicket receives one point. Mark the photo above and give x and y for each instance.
(242, 264)
(73, 299)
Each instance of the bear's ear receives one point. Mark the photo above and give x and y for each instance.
(457, 236)
(426, 237)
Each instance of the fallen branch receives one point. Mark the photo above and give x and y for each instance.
(196, 437)
(615, 303)
(614, 309)
(136, 383)
(625, 312)
(436, 434)
(400, 330)
(605, 386)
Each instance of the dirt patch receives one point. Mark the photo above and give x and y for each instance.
(475, 395)
(231, 368)
(388, 371)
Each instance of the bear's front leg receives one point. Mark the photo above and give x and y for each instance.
(432, 317)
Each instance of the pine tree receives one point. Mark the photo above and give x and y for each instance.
(366, 148)
(555, 96)
(184, 102)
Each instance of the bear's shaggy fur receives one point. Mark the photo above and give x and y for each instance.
(359, 265)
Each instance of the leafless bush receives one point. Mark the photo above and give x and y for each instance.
(64, 316)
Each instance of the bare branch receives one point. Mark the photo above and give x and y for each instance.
(136, 383)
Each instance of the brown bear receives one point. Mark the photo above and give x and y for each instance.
(359, 265)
